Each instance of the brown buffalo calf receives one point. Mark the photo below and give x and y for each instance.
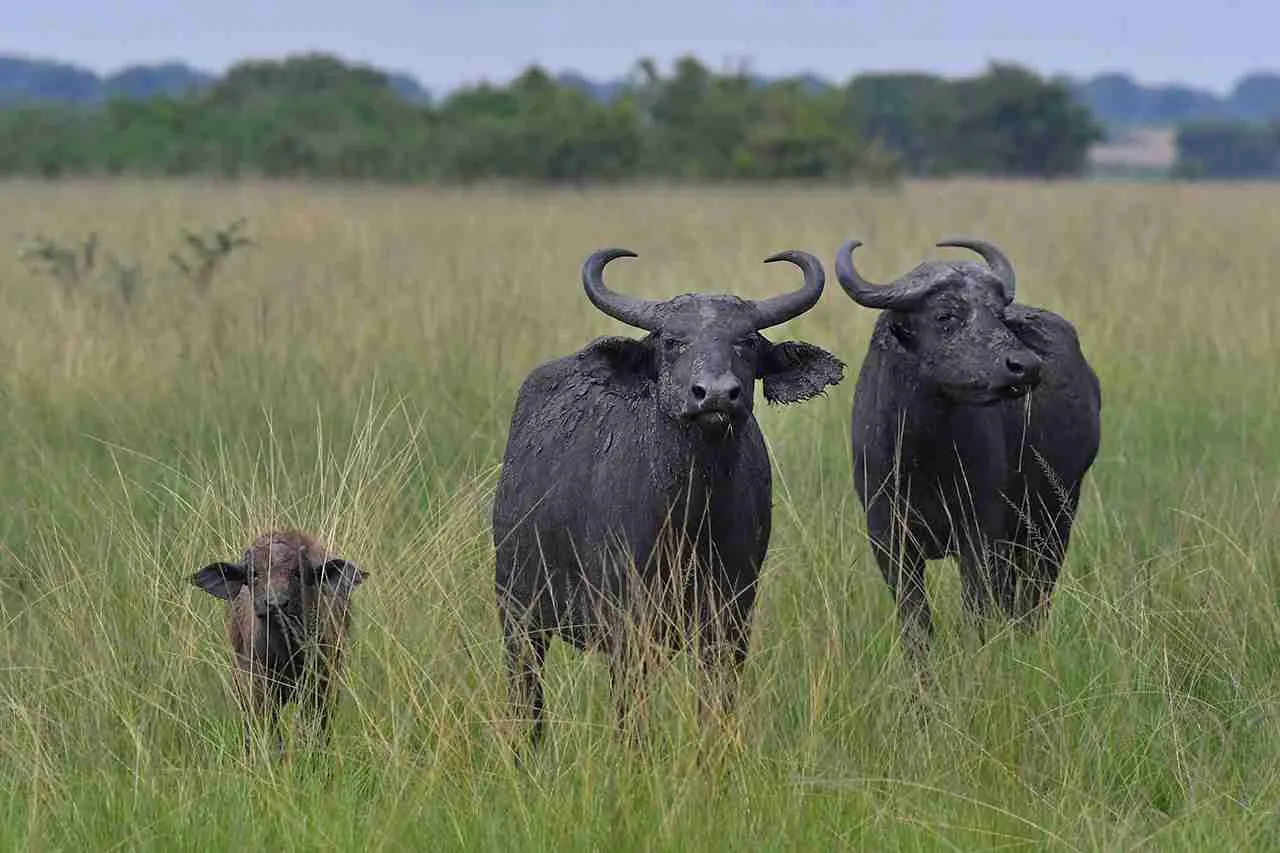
(288, 614)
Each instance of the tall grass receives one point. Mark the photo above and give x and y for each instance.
(354, 375)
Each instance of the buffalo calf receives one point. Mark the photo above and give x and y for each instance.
(288, 615)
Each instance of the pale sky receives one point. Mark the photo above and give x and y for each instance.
(445, 43)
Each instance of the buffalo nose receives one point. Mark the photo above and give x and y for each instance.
(714, 392)
(1024, 366)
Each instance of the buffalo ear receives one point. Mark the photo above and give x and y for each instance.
(794, 370)
(626, 355)
(1029, 326)
(221, 580)
(341, 576)
(902, 333)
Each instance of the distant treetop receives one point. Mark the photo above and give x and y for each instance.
(314, 115)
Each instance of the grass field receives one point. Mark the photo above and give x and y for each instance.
(354, 374)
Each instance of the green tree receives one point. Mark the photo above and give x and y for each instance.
(315, 116)
(1228, 150)
(793, 135)
(1010, 121)
(902, 113)
(537, 130)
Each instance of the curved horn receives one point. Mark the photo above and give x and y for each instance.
(995, 259)
(779, 309)
(628, 309)
(902, 293)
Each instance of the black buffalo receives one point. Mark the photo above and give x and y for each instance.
(635, 469)
(974, 422)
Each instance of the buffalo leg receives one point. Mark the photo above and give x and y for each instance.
(321, 698)
(903, 570)
(986, 579)
(721, 662)
(1040, 560)
(724, 640)
(265, 722)
(526, 653)
(258, 698)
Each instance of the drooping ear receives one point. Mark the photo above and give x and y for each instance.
(1030, 326)
(901, 332)
(625, 355)
(794, 370)
(341, 576)
(221, 580)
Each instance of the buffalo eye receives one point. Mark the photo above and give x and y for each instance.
(744, 347)
(673, 345)
(946, 319)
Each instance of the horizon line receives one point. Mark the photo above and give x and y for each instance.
(617, 77)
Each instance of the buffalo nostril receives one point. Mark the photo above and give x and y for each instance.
(734, 393)
(699, 393)
(1016, 367)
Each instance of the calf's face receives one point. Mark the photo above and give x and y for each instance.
(277, 588)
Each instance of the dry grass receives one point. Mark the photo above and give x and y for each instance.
(354, 375)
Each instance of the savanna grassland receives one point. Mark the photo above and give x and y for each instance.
(353, 373)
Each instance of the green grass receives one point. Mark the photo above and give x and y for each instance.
(354, 374)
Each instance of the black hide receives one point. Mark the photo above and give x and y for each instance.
(974, 423)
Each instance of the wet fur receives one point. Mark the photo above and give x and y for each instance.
(995, 485)
(611, 511)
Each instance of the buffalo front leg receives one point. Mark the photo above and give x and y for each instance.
(721, 664)
(902, 566)
(1039, 565)
(1035, 591)
(259, 711)
(986, 578)
(1040, 557)
(320, 700)
(526, 652)
(271, 726)
(725, 638)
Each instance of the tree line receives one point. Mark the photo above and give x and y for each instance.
(315, 116)
(1228, 150)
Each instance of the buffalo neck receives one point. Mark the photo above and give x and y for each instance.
(918, 414)
(692, 462)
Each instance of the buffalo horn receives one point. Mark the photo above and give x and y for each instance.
(630, 310)
(779, 309)
(995, 259)
(902, 294)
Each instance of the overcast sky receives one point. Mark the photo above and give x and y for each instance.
(445, 43)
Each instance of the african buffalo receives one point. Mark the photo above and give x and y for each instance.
(974, 422)
(635, 469)
(288, 614)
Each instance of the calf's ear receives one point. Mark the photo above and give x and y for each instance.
(341, 576)
(625, 355)
(221, 580)
(794, 370)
